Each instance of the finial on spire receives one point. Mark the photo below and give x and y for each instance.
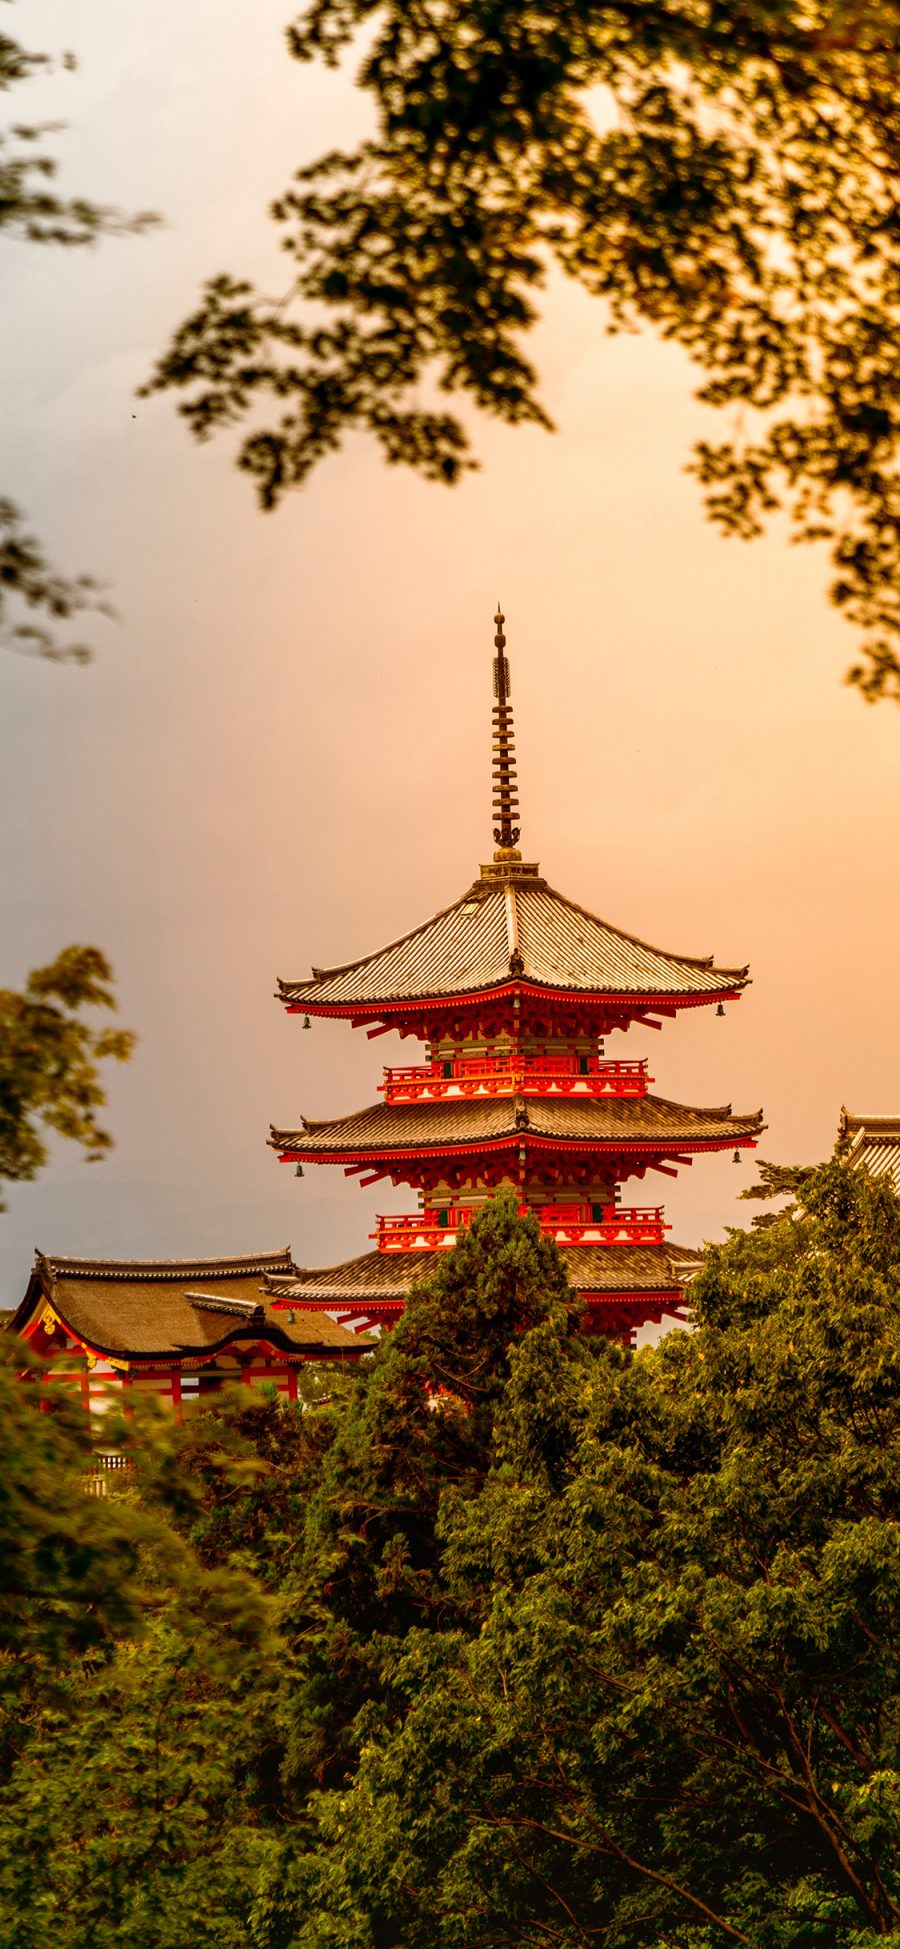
(506, 801)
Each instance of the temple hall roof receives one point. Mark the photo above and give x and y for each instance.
(174, 1308)
(647, 1121)
(874, 1142)
(511, 926)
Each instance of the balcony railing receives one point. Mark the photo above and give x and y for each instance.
(510, 1075)
(435, 1231)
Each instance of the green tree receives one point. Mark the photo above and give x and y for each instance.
(48, 1057)
(552, 1644)
(725, 176)
(663, 1704)
(136, 1700)
(49, 1061)
(69, 1577)
(419, 1432)
(340, 1508)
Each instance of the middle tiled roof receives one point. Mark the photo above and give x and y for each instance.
(414, 1127)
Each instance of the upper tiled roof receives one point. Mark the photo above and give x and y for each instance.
(511, 926)
(874, 1142)
(471, 1122)
(143, 1308)
(388, 1276)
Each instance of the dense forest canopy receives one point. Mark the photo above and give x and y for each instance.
(513, 1639)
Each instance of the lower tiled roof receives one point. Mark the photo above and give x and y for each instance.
(388, 1276)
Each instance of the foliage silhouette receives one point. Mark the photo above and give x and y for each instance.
(725, 176)
(35, 596)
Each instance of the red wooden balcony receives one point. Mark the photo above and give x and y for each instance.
(510, 1075)
(435, 1231)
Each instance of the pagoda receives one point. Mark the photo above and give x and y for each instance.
(514, 991)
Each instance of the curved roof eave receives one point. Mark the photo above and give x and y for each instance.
(465, 950)
(483, 1123)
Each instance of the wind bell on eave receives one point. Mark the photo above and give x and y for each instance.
(506, 791)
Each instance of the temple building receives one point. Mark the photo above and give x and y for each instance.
(873, 1142)
(514, 991)
(176, 1328)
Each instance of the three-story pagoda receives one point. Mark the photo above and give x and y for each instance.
(514, 990)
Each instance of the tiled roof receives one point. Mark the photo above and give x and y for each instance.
(469, 1123)
(515, 927)
(388, 1276)
(874, 1142)
(143, 1308)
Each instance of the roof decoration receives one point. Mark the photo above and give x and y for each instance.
(232, 1266)
(506, 801)
(248, 1310)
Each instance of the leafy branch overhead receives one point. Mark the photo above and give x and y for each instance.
(34, 596)
(49, 1061)
(30, 205)
(726, 175)
(29, 579)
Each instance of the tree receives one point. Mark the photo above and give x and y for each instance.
(70, 1581)
(725, 177)
(552, 1644)
(34, 596)
(663, 1704)
(49, 1057)
(419, 1433)
(136, 1691)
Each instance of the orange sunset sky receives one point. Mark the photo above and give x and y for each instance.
(281, 753)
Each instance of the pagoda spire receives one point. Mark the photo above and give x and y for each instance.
(505, 786)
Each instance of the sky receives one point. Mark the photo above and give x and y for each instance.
(281, 753)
